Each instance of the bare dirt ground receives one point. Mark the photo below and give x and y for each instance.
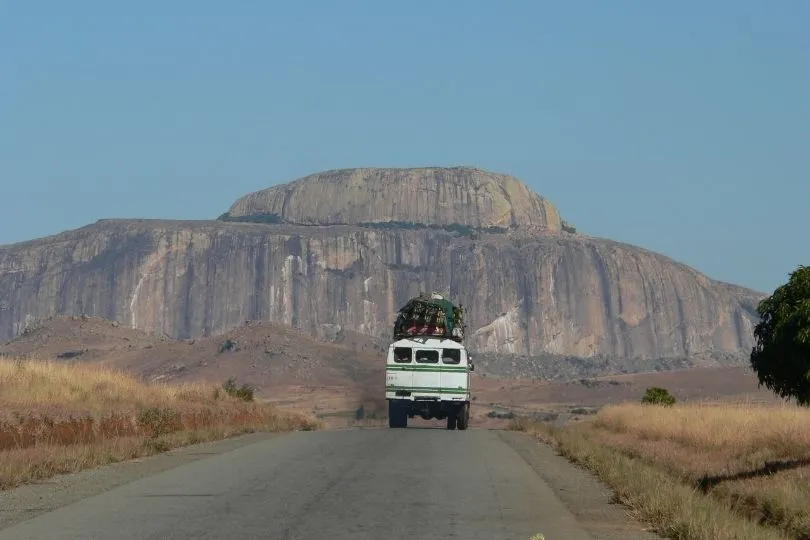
(271, 358)
(333, 380)
(715, 384)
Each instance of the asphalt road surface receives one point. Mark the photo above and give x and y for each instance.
(415, 484)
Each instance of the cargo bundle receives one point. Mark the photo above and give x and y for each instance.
(430, 316)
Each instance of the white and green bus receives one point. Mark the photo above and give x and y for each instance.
(428, 377)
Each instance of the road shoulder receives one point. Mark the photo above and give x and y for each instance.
(582, 493)
(33, 499)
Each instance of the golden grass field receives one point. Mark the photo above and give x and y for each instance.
(58, 418)
(699, 471)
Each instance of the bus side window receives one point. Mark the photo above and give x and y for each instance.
(402, 355)
(451, 356)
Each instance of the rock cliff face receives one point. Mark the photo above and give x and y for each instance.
(529, 292)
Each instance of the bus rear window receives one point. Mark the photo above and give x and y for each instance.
(451, 356)
(427, 357)
(402, 355)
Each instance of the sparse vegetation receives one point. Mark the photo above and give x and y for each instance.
(658, 396)
(583, 410)
(458, 228)
(699, 471)
(781, 357)
(70, 354)
(244, 392)
(57, 418)
(227, 346)
(268, 218)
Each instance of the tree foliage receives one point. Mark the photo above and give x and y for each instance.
(781, 356)
(658, 396)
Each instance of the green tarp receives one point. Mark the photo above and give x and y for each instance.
(429, 316)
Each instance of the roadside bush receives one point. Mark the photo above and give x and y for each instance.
(244, 392)
(159, 421)
(658, 396)
(227, 346)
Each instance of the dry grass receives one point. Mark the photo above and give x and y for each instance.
(701, 471)
(740, 431)
(57, 418)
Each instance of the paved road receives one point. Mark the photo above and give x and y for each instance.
(415, 484)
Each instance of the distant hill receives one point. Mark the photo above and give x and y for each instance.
(263, 354)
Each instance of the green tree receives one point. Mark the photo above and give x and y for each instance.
(781, 356)
(658, 396)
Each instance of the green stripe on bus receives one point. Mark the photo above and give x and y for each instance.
(431, 389)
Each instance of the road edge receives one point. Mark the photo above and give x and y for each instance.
(36, 498)
(587, 497)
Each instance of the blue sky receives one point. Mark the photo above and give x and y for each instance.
(682, 127)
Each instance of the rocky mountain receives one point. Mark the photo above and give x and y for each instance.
(430, 196)
(343, 250)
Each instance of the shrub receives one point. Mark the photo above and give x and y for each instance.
(227, 345)
(159, 421)
(244, 392)
(658, 396)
